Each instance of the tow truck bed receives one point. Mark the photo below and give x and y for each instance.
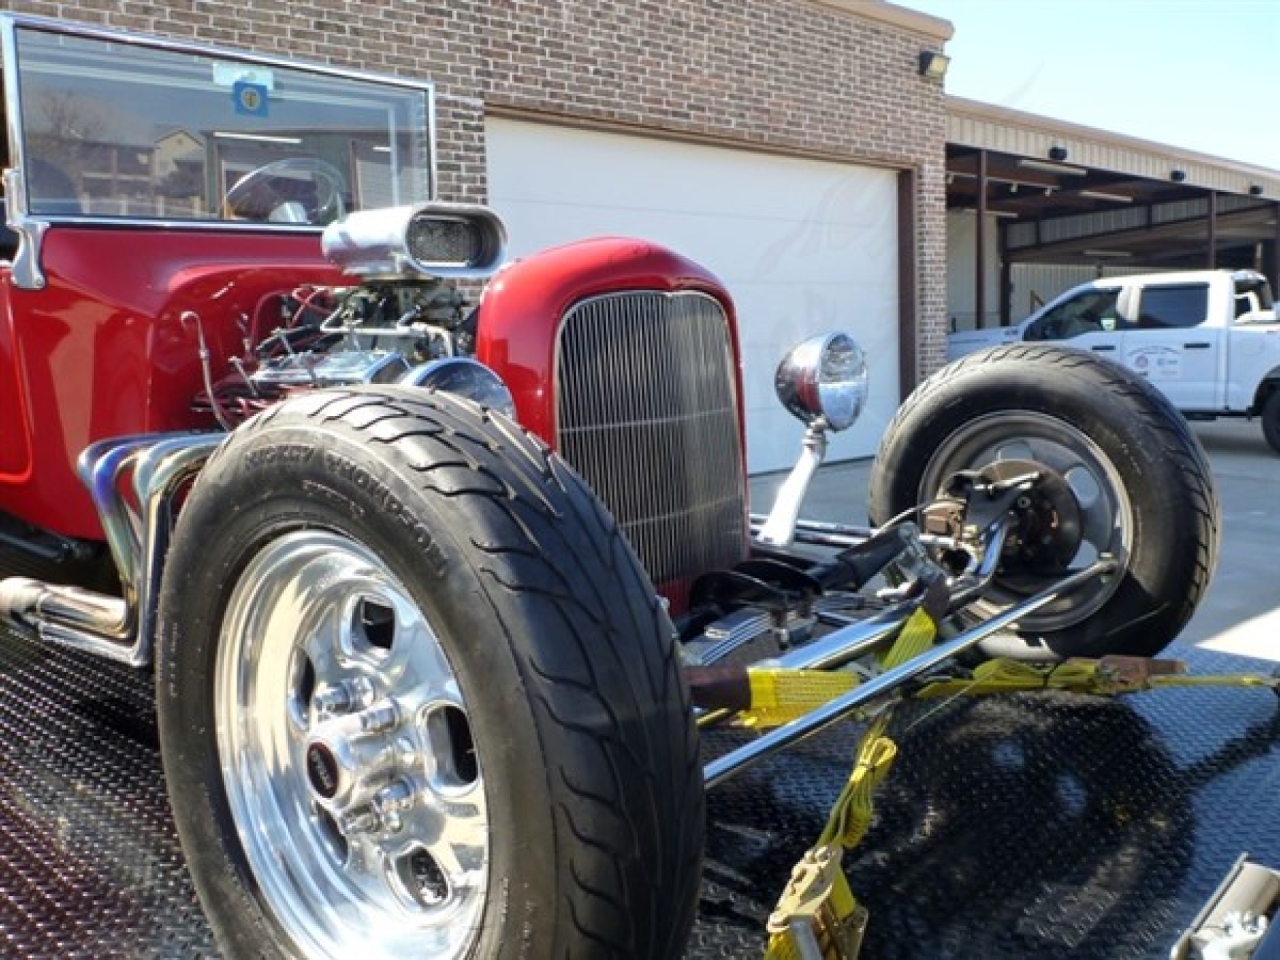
(1046, 825)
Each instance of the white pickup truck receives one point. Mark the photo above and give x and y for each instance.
(1207, 338)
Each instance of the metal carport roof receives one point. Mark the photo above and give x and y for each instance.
(1064, 193)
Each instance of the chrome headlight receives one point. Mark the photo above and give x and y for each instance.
(824, 378)
(433, 239)
(464, 377)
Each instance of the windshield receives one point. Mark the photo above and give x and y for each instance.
(113, 127)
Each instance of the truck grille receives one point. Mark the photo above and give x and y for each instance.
(648, 414)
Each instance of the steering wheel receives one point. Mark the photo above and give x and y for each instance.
(270, 192)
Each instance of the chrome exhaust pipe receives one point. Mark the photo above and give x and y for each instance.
(138, 529)
(70, 616)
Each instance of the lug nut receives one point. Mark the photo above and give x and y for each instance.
(363, 820)
(342, 697)
(331, 700)
(395, 797)
(380, 718)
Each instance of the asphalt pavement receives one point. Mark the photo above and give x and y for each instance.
(1240, 614)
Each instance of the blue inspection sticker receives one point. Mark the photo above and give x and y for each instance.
(250, 99)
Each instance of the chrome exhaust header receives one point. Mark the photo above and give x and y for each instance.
(133, 482)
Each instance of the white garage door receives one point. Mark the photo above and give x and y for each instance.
(804, 246)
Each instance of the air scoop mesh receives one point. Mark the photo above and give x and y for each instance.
(436, 240)
(647, 413)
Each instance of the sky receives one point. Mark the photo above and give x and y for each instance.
(1201, 75)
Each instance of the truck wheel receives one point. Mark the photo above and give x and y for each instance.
(417, 698)
(1137, 480)
(1271, 421)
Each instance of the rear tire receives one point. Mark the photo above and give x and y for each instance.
(1271, 421)
(1138, 474)
(417, 697)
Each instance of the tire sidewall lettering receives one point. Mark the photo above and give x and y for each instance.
(275, 456)
(385, 502)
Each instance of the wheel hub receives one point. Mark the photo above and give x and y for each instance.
(358, 767)
(322, 771)
(1080, 504)
(1048, 532)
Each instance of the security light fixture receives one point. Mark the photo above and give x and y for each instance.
(1177, 176)
(1255, 190)
(933, 64)
(1058, 153)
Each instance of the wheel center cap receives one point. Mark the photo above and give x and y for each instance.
(322, 771)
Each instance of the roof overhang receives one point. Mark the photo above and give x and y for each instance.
(1064, 193)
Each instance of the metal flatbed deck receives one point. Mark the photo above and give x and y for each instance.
(1045, 825)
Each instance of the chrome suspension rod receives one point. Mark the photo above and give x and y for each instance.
(735, 761)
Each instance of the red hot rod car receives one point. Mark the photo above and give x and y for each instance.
(426, 579)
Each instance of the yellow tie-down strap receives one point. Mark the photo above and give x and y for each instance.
(817, 916)
(780, 695)
(1107, 676)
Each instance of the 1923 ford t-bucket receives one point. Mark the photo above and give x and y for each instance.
(422, 677)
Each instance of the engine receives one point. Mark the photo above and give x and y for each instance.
(406, 322)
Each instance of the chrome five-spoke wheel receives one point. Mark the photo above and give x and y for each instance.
(416, 698)
(347, 755)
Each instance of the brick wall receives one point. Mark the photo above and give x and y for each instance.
(786, 75)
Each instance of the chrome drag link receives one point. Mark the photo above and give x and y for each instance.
(818, 533)
(861, 636)
(845, 705)
(858, 637)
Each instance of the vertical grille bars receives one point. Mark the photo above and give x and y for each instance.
(647, 412)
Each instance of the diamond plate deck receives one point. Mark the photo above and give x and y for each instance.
(1045, 825)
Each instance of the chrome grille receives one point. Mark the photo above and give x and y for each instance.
(647, 413)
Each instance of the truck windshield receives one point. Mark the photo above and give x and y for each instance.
(113, 127)
(1092, 311)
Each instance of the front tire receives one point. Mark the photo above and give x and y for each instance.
(418, 699)
(1136, 473)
